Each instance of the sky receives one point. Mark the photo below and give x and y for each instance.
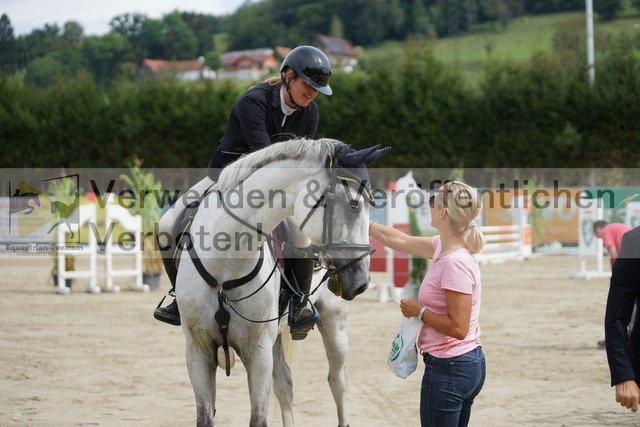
(94, 15)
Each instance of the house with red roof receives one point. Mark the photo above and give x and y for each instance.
(341, 54)
(181, 70)
(253, 64)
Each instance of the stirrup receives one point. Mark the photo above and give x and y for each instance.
(160, 312)
(171, 293)
(304, 325)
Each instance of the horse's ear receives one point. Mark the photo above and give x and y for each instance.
(377, 153)
(355, 159)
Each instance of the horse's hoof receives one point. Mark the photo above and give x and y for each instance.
(222, 362)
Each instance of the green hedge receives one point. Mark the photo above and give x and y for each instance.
(541, 114)
(81, 124)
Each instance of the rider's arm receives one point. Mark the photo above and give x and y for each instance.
(314, 119)
(252, 115)
(399, 241)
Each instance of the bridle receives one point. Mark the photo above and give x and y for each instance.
(337, 173)
(328, 201)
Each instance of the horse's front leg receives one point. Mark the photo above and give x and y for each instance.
(333, 329)
(258, 362)
(201, 366)
(282, 383)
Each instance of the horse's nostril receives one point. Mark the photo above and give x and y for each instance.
(362, 288)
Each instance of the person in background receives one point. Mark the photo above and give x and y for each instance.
(448, 304)
(276, 110)
(622, 341)
(611, 235)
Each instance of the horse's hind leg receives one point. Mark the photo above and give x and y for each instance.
(202, 372)
(333, 329)
(282, 383)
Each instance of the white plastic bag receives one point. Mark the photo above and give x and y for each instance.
(403, 357)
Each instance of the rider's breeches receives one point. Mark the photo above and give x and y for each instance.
(171, 215)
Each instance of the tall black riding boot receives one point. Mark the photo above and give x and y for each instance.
(302, 315)
(170, 313)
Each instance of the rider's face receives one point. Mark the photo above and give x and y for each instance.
(300, 91)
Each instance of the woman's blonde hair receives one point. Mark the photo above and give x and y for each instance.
(463, 206)
(277, 80)
(273, 81)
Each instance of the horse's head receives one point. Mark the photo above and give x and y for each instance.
(325, 186)
(335, 216)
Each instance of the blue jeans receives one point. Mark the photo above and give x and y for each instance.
(449, 387)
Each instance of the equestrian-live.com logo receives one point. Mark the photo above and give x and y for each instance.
(35, 213)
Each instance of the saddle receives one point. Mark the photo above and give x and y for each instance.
(183, 241)
(182, 237)
(289, 279)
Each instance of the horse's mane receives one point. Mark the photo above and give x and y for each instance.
(308, 151)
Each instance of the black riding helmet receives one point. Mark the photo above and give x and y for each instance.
(312, 65)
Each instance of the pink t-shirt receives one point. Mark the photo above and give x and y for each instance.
(612, 234)
(459, 272)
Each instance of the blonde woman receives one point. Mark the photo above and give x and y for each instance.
(448, 304)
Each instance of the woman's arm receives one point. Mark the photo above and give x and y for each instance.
(613, 254)
(454, 324)
(399, 241)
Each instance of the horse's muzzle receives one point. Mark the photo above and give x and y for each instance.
(350, 281)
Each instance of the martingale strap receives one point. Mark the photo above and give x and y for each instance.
(230, 284)
(223, 316)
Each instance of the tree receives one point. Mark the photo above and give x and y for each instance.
(416, 19)
(213, 60)
(44, 71)
(72, 34)
(152, 39)
(105, 54)
(607, 9)
(38, 43)
(372, 21)
(203, 28)
(179, 41)
(8, 59)
(252, 26)
(336, 28)
(552, 6)
(132, 27)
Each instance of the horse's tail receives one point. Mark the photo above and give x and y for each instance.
(291, 350)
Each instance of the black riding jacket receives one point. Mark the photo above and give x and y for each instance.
(255, 122)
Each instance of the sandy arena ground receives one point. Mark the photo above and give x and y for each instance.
(102, 360)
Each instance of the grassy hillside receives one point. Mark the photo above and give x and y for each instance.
(524, 36)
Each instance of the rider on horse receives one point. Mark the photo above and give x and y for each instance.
(279, 109)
